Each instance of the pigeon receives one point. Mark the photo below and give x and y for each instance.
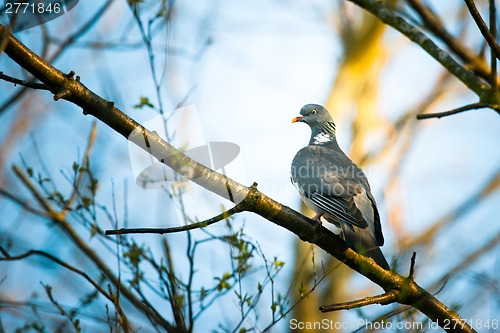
(335, 188)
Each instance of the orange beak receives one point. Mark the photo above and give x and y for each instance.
(296, 119)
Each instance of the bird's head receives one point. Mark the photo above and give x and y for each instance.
(321, 123)
(313, 115)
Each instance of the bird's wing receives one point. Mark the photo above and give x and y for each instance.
(335, 185)
(339, 207)
(344, 173)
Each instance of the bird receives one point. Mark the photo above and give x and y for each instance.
(335, 188)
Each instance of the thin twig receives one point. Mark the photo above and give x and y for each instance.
(385, 298)
(146, 37)
(8, 257)
(25, 204)
(490, 39)
(60, 219)
(109, 296)
(76, 185)
(433, 24)
(38, 196)
(391, 18)
(197, 225)
(412, 265)
(468, 107)
(25, 83)
(493, 30)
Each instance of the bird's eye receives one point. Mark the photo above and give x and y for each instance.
(314, 111)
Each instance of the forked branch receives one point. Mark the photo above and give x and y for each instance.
(388, 297)
(488, 36)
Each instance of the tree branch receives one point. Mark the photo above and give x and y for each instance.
(161, 231)
(432, 22)
(412, 265)
(60, 220)
(62, 47)
(490, 39)
(109, 296)
(384, 299)
(493, 60)
(85, 159)
(23, 203)
(25, 83)
(388, 16)
(464, 108)
(388, 297)
(249, 197)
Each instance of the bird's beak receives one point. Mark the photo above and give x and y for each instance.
(296, 119)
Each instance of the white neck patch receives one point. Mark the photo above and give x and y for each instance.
(322, 138)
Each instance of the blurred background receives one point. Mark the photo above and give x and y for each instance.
(239, 72)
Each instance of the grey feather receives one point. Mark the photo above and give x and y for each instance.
(335, 187)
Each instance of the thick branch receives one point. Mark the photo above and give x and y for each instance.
(250, 198)
(62, 48)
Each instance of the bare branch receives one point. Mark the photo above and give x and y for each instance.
(62, 47)
(23, 203)
(76, 185)
(412, 265)
(464, 108)
(25, 83)
(389, 16)
(109, 296)
(490, 39)
(8, 257)
(197, 225)
(493, 30)
(60, 219)
(435, 26)
(384, 299)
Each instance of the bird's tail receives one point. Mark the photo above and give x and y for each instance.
(376, 254)
(363, 243)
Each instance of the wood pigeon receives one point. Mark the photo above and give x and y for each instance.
(336, 188)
